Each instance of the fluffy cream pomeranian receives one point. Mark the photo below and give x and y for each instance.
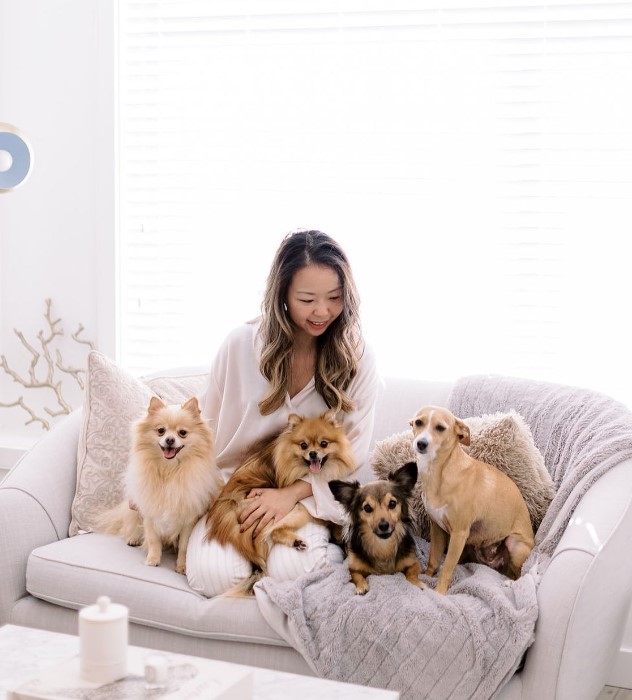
(171, 481)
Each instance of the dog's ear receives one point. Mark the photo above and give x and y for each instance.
(344, 491)
(411, 422)
(405, 477)
(330, 416)
(293, 420)
(192, 406)
(155, 405)
(462, 431)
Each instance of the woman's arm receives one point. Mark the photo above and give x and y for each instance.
(272, 504)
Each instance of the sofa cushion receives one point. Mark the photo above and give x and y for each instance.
(503, 440)
(75, 571)
(113, 402)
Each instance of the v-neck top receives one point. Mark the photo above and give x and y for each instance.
(231, 405)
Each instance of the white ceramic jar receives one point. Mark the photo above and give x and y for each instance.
(103, 639)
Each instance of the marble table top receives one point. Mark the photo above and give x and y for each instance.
(25, 652)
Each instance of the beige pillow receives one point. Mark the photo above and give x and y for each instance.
(113, 402)
(503, 440)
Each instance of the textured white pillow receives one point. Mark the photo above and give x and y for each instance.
(213, 568)
(113, 402)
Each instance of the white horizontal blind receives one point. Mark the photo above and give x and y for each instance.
(474, 159)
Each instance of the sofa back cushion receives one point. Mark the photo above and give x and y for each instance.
(399, 399)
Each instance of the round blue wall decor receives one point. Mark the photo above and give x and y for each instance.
(16, 158)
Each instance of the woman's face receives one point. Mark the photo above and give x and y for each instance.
(314, 299)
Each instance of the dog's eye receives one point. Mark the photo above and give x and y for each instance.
(392, 503)
(303, 446)
(418, 423)
(182, 433)
(440, 428)
(161, 431)
(323, 443)
(367, 508)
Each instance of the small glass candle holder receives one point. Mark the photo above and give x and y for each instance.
(156, 671)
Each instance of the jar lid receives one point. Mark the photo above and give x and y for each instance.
(104, 611)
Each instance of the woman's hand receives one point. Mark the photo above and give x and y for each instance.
(270, 505)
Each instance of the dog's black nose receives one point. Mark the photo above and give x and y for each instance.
(313, 454)
(383, 526)
(421, 444)
(170, 441)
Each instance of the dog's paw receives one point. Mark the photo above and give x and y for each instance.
(299, 545)
(152, 561)
(181, 569)
(362, 590)
(132, 542)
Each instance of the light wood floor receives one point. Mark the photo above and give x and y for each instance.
(610, 693)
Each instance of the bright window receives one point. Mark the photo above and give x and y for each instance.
(474, 160)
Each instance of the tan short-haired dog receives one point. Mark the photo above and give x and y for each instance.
(468, 501)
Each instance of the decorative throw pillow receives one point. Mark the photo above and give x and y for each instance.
(113, 402)
(503, 440)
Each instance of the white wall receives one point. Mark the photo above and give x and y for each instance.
(55, 76)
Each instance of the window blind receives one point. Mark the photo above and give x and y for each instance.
(474, 160)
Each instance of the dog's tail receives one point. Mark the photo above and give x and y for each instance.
(244, 588)
(121, 520)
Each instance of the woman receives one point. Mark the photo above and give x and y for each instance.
(305, 354)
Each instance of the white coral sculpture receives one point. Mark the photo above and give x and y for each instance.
(51, 366)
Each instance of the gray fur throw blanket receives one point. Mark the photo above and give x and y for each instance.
(470, 642)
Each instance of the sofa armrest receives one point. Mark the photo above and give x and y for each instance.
(35, 502)
(584, 596)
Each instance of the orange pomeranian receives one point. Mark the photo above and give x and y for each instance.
(171, 479)
(317, 446)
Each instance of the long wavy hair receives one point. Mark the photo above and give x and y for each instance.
(340, 347)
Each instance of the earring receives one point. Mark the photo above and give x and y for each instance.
(284, 307)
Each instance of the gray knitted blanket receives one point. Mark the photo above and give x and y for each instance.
(468, 643)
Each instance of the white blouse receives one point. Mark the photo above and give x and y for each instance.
(236, 386)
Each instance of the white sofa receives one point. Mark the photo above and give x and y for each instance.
(584, 595)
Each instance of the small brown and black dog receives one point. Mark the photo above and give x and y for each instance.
(308, 445)
(469, 502)
(380, 539)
